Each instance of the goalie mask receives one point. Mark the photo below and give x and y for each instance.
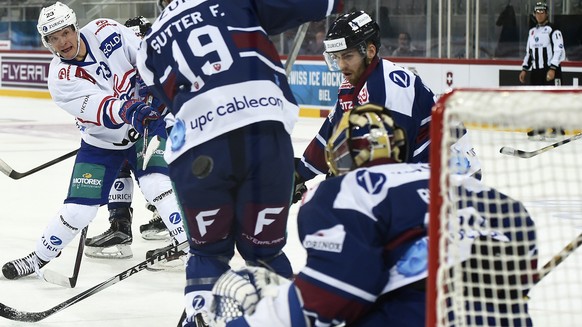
(365, 136)
(139, 25)
(352, 30)
(53, 19)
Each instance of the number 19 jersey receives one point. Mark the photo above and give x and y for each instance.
(215, 67)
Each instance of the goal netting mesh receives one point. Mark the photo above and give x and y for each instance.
(480, 278)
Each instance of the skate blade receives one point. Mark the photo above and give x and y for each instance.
(121, 251)
(155, 235)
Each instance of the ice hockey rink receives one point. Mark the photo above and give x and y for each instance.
(34, 131)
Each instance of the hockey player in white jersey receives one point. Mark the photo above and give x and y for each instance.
(116, 241)
(365, 233)
(92, 77)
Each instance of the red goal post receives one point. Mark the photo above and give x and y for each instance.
(549, 184)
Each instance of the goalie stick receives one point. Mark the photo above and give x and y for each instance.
(54, 277)
(14, 314)
(528, 154)
(8, 171)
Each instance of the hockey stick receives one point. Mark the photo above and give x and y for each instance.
(297, 41)
(528, 154)
(14, 314)
(8, 171)
(559, 258)
(151, 148)
(54, 277)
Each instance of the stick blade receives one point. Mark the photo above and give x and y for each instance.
(151, 148)
(54, 277)
(6, 170)
(509, 151)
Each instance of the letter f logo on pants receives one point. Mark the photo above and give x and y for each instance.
(263, 220)
(203, 223)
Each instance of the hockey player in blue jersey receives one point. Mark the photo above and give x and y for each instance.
(93, 77)
(366, 241)
(352, 46)
(229, 151)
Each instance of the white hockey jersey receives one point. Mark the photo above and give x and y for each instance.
(94, 90)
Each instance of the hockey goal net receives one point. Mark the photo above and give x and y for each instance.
(496, 291)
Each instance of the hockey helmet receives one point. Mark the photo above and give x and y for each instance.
(541, 6)
(53, 19)
(365, 136)
(139, 25)
(351, 30)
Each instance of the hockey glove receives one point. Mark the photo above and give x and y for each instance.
(237, 293)
(299, 186)
(146, 96)
(140, 115)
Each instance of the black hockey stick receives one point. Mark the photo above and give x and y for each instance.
(528, 154)
(8, 171)
(13, 314)
(54, 277)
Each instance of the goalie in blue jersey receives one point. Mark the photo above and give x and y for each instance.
(366, 240)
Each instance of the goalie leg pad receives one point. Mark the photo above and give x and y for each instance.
(63, 228)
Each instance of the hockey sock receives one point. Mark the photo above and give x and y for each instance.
(157, 189)
(121, 193)
(63, 228)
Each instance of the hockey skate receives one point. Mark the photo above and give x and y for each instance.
(173, 263)
(114, 243)
(155, 229)
(23, 267)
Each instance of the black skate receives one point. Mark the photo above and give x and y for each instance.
(174, 262)
(23, 267)
(115, 242)
(155, 229)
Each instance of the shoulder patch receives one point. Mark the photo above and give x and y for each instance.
(110, 44)
(400, 78)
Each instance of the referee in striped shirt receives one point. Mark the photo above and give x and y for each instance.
(544, 51)
(544, 54)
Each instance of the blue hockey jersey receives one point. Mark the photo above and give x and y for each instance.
(213, 65)
(366, 238)
(388, 85)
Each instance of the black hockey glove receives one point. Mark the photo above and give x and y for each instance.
(300, 187)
